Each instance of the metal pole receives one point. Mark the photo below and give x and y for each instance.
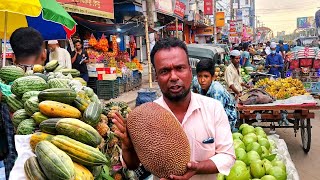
(231, 10)
(148, 50)
(215, 20)
(5, 39)
(177, 28)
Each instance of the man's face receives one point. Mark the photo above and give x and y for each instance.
(235, 61)
(78, 46)
(173, 73)
(204, 79)
(52, 47)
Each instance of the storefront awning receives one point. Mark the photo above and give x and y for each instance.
(133, 28)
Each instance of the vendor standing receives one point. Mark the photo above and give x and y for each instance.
(274, 61)
(232, 75)
(79, 60)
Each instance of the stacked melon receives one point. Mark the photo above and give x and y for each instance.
(62, 115)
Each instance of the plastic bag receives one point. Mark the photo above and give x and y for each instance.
(5, 89)
(283, 154)
(145, 95)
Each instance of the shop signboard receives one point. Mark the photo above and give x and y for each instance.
(97, 8)
(172, 27)
(233, 29)
(164, 6)
(208, 7)
(180, 8)
(208, 31)
(305, 22)
(220, 21)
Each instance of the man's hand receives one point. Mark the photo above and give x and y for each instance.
(122, 133)
(192, 168)
(238, 95)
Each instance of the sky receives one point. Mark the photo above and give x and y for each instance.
(281, 15)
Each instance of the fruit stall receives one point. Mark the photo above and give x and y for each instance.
(60, 122)
(291, 108)
(112, 71)
(304, 64)
(260, 156)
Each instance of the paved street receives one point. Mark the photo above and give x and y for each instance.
(308, 165)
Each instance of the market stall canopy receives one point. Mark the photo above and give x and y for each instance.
(132, 28)
(47, 16)
(202, 51)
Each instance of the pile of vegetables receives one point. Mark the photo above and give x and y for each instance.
(69, 126)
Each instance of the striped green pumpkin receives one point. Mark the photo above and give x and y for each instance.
(32, 169)
(14, 102)
(92, 114)
(19, 116)
(64, 95)
(55, 163)
(57, 83)
(51, 66)
(28, 83)
(32, 105)
(11, 73)
(28, 95)
(73, 72)
(26, 127)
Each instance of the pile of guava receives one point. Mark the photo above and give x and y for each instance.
(254, 156)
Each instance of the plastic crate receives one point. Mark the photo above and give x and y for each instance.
(121, 83)
(107, 89)
(92, 83)
(137, 81)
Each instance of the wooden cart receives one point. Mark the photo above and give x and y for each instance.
(298, 115)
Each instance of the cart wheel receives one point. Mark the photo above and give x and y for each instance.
(305, 134)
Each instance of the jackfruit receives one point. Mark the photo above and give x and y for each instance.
(159, 140)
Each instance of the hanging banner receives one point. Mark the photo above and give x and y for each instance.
(220, 21)
(179, 9)
(172, 27)
(97, 8)
(164, 6)
(208, 7)
(208, 31)
(233, 29)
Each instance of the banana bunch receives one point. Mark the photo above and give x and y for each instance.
(282, 88)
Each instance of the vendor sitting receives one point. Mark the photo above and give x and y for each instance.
(232, 75)
(204, 84)
(274, 61)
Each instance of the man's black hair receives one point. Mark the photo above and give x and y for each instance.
(26, 42)
(245, 46)
(205, 65)
(167, 43)
(77, 41)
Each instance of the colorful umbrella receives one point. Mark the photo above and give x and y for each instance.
(47, 16)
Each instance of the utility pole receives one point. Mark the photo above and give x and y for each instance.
(177, 28)
(146, 10)
(215, 20)
(231, 10)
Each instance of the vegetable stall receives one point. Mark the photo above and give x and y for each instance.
(62, 129)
